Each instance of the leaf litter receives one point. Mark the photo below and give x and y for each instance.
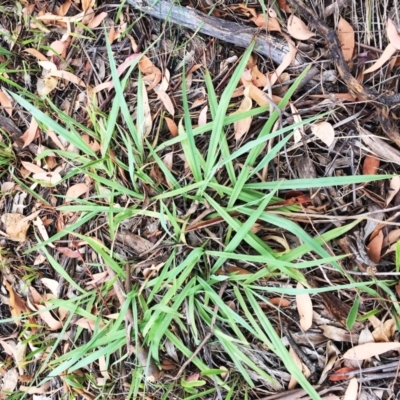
(109, 228)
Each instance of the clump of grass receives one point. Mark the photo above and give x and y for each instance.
(188, 293)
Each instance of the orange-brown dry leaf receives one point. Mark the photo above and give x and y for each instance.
(280, 302)
(258, 78)
(283, 5)
(269, 23)
(287, 60)
(371, 165)
(368, 350)
(64, 8)
(374, 247)
(296, 359)
(52, 323)
(30, 134)
(75, 191)
(17, 305)
(5, 102)
(345, 33)
(150, 71)
(89, 324)
(298, 29)
(173, 128)
(305, 309)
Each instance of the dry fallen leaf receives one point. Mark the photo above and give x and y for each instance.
(242, 126)
(324, 131)
(166, 100)
(385, 56)
(5, 102)
(75, 191)
(30, 134)
(299, 132)
(394, 189)
(374, 247)
(371, 165)
(48, 178)
(16, 226)
(298, 29)
(305, 309)
(352, 390)
(267, 22)
(10, 381)
(368, 350)
(173, 128)
(345, 33)
(392, 34)
(17, 305)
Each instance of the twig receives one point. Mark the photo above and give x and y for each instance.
(227, 31)
(207, 337)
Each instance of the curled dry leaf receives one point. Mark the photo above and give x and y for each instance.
(150, 71)
(324, 131)
(75, 191)
(368, 350)
(298, 29)
(371, 165)
(345, 33)
(202, 116)
(305, 309)
(385, 56)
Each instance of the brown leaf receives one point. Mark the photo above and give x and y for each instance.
(345, 33)
(341, 374)
(385, 56)
(374, 247)
(283, 5)
(63, 9)
(298, 29)
(173, 128)
(69, 252)
(371, 165)
(280, 302)
(17, 305)
(10, 381)
(75, 191)
(30, 134)
(151, 72)
(305, 309)
(202, 116)
(137, 243)
(90, 324)
(269, 23)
